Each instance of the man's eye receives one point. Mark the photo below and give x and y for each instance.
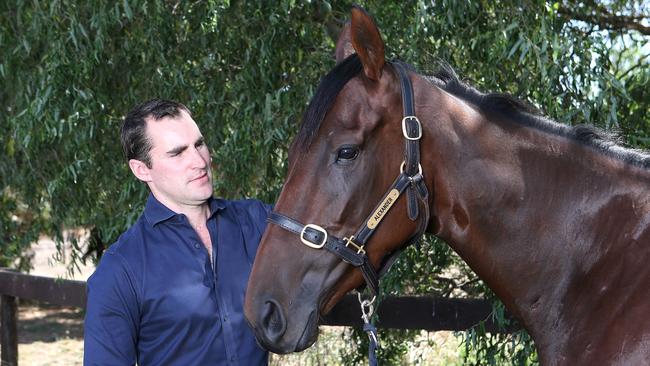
(347, 153)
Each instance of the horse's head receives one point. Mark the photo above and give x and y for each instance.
(345, 158)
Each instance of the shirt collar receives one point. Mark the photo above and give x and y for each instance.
(216, 205)
(155, 212)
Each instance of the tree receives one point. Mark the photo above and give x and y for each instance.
(70, 70)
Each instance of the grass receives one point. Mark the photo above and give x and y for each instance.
(49, 335)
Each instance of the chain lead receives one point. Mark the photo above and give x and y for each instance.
(367, 309)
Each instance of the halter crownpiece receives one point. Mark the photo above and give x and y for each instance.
(352, 249)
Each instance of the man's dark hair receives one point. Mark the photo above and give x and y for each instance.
(135, 142)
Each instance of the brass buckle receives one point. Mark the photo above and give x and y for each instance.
(307, 242)
(404, 132)
(350, 241)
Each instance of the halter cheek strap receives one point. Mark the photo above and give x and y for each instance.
(352, 249)
(412, 131)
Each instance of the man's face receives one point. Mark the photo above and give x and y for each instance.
(180, 162)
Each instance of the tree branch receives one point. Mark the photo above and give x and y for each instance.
(641, 63)
(606, 20)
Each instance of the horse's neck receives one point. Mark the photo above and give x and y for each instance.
(534, 214)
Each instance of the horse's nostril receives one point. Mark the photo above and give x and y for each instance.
(273, 321)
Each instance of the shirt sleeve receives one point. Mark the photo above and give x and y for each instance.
(254, 215)
(111, 324)
(260, 213)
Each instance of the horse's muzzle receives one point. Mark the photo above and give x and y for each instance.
(271, 330)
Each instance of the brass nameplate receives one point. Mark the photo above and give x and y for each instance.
(378, 215)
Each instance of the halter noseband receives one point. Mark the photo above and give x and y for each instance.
(352, 249)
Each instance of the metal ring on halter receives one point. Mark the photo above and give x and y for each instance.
(366, 315)
(405, 133)
(307, 242)
(369, 301)
(366, 304)
(401, 168)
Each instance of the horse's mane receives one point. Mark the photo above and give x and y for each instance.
(523, 113)
(491, 103)
(322, 101)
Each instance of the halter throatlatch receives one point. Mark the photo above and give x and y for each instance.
(352, 249)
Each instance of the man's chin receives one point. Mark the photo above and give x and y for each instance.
(204, 195)
(200, 190)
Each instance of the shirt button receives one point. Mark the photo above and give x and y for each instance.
(196, 245)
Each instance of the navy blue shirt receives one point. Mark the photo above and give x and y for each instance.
(155, 298)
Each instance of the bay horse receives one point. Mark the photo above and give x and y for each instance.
(554, 219)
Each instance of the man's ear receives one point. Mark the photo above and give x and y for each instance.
(140, 170)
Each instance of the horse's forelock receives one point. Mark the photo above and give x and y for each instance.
(329, 87)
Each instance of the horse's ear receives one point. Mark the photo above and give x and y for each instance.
(344, 44)
(367, 42)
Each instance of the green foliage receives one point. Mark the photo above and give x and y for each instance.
(70, 70)
(482, 348)
(20, 227)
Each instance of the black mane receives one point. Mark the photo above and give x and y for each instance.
(523, 113)
(324, 98)
(491, 103)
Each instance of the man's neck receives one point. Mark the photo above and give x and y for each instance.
(197, 214)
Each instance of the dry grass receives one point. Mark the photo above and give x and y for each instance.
(49, 336)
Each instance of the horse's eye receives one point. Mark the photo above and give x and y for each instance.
(347, 153)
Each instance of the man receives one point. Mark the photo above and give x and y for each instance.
(171, 290)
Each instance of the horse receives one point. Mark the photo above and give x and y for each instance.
(554, 219)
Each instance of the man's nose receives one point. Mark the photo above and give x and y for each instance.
(198, 159)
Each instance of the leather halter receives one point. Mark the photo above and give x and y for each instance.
(352, 249)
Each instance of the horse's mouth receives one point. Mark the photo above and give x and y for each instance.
(284, 346)
(309, 334)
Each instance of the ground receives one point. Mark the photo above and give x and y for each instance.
(50, 335)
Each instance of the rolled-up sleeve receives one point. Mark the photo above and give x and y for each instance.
(112, 315)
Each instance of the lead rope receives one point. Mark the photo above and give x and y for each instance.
(367, 309)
